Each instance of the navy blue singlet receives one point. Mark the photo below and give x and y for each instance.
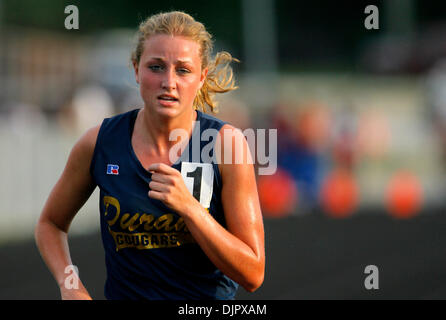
(149, 253)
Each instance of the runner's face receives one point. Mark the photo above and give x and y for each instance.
(169, 74)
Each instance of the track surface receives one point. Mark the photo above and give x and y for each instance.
(308, 257)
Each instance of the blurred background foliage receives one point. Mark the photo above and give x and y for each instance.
(326, 35)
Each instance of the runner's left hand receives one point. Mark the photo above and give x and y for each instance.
(168, 186)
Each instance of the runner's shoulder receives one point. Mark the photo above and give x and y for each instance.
(85, 146)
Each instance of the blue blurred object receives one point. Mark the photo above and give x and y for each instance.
(304, 165)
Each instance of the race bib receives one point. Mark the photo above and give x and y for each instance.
(199, 180)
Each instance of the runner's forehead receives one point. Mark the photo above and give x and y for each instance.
(173, 48)
(184, 60)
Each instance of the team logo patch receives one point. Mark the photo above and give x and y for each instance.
(112, 169)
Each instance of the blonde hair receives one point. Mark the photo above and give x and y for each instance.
(220, 77)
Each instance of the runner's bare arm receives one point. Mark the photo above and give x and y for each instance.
(237, 251)
(71, 191)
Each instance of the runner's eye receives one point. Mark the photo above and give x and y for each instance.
(183, 70)
(156, 68)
